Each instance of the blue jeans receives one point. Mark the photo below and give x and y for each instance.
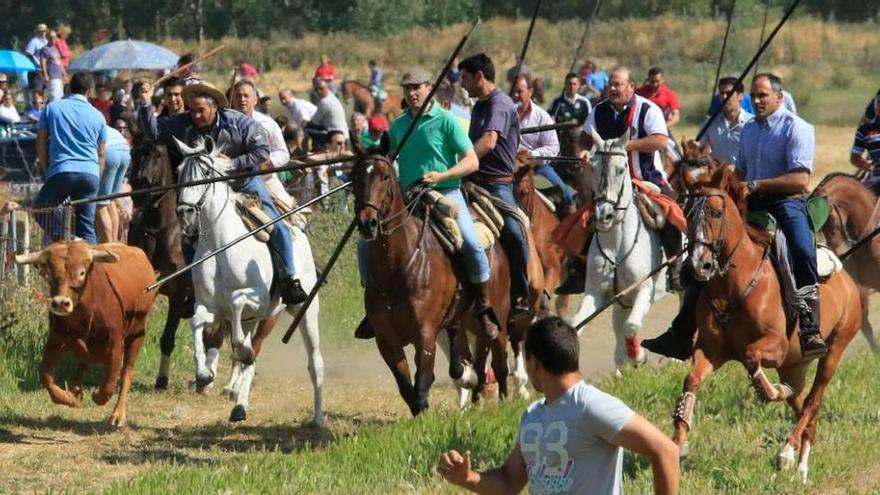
(59, 187)
(513, 238)
(791, 217)
(550, 174)
(280, 240)
(114, 173)
(476, 263)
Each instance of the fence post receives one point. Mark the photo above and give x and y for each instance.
(25, 247)
(4, 229)
(66, 233)
(13, 240)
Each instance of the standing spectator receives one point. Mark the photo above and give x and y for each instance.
(244, 99)
(725, 133)
(539, 144)
(301, 111)
(375, 84)
(52, 69)
(32, 114)
(71, 138)
(4, 83)
(118, 153)
(572, 440)
(101, 101)
(453, 75)
(361, 128)
(190, 75)
(329, 116)
(788, 102)
(596, 82)
(571, 105)
(494, 130)
(249, 72)
(61, 43)
(263, 105)
(118, 108)
(121, 125)
(8, 112)
(378, 127)
(35, 44)
(656, 90)
(326, 71)
(172, 97)
(524, 70)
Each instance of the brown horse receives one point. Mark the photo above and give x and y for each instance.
(412, 289)
(852, 217)
(740, 317)
(544, 221)
(366, 104)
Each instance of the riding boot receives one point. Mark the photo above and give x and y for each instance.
(678, 341)
(670, 237)
(292, 291)
(364, 330)
(483, 310)
(575, 278)
(812, 344)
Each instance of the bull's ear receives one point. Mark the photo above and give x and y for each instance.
(30, 258)
(103, 256)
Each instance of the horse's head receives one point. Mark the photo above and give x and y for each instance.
(697, 168)
(150, 165)
(376, 191)
(524, 174)
(713, 211)
(202, 161)
(612, 186)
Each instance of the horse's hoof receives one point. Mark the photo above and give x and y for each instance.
(161, 383)
(786, 459)
(117, 420)
(239, 413)
(684, 450)
(203, 381)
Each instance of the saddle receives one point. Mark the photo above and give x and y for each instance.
(250, 210)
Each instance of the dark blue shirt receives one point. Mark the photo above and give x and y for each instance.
(496, 112)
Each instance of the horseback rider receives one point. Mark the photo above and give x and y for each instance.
(625, 111)
(242, 140)
(494, 131)
(539, 144)
(438, 153)
(776, 159)
(867, 140)
(725, 132)
(375, 85)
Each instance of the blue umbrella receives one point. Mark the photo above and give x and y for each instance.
(128, 54)
(12, 62)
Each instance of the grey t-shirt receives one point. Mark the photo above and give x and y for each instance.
(331, 114)
(566, 444)
(53, 61)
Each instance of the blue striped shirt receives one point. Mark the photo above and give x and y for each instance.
(782, 144)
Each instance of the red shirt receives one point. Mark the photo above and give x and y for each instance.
(326, 72)
(664, 98)
(103, 106)
(64, 51)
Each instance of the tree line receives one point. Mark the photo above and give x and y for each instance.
(97, 21)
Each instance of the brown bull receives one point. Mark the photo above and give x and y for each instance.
(97, 311)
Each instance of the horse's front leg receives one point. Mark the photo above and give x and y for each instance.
(769, 350)
(200, 319)
(684, 412)
(594, 295)
(633, 323)
(393, 355)
(241, 342)
(425, 355)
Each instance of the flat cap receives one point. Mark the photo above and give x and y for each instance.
(415, 76)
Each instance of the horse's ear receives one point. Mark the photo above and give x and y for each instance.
(705, 148)
(209, 145)
(622, 140)
(184, 149)
(598, 143)
(522, 161)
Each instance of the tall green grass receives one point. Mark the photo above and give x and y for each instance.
(735, 441)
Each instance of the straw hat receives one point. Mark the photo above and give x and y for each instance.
(208, 89)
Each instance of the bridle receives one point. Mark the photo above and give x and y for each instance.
(410, 204)
(604, 180)
(696, 211)
(203, 161)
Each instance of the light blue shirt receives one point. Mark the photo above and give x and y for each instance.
(783, 143)
(598, 79)
(34, 45)
(75, 129)
(724, 138)
(116, 141)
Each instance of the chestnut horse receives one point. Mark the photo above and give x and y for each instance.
(366, 104)
(740, 317)
(852, 217)
(412, 289)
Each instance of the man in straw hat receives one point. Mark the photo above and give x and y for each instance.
(244, 141)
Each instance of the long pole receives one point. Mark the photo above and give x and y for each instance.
(549, 127)
(724, 45)
(763, 28)
(394, 153)
(577, 51)
(244, 236)
(751, 64)
(183, 67)
(522, 53)
(861, 242)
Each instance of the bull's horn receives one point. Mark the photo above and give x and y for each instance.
(186, 150)
(29, 258)
(102, 256)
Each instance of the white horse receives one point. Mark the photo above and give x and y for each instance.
(234, 285)
(623, 252)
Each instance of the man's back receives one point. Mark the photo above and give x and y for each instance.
(331, 114)
(75, 128)
(567, 444)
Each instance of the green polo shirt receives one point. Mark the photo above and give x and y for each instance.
(434, 146)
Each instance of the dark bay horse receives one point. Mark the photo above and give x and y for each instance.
(412, 290)
(366, 104)
(852, 217)
(740, 317)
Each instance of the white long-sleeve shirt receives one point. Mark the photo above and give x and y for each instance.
(279, 156)
(544, 143)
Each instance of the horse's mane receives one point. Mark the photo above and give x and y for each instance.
(725, 179)
(823, 184)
